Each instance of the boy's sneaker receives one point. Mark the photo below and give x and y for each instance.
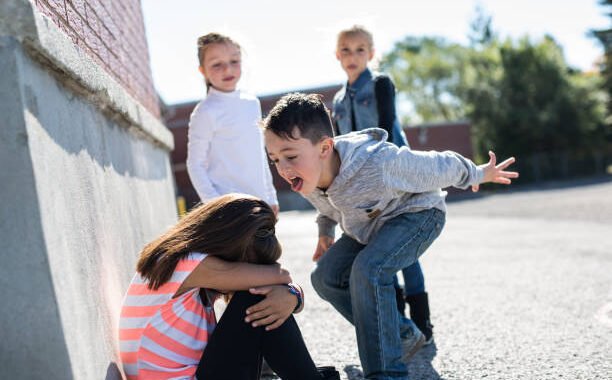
(329, 373)
(412, 343)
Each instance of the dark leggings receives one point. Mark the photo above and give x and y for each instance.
(235, 349)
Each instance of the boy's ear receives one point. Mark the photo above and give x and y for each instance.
(327, 147)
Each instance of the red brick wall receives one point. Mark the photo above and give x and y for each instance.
(112, 33)
(442, 136)
(328, 92)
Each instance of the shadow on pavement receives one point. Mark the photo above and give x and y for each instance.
(419, 366)
(468, 195)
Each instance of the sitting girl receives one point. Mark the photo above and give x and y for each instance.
(168, 328)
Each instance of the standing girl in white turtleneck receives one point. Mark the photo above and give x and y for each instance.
(225, 152)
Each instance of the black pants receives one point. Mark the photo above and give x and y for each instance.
(235, 349)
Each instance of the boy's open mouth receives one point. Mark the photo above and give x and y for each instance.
(296, 183)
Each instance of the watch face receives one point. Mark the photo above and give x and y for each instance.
(295, 291)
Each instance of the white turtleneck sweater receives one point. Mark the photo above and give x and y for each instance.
(225, 153)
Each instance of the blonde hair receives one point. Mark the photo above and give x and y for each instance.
(206, 40)
(354, 31)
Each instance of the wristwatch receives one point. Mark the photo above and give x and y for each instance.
(295, 290)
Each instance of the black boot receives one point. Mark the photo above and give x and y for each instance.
(399, 298)
(419, 313)
(329, 373)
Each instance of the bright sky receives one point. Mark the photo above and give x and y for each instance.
(289, 45)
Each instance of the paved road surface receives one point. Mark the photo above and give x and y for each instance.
(520, 287)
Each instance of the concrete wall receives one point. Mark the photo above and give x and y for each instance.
(85, 182)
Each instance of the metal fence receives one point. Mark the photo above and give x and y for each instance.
(545, 166)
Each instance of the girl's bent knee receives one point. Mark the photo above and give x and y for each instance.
(244, 299)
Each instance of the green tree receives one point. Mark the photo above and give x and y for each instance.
(520, 95)
(426, 72)
(605, 38)
(545, 107)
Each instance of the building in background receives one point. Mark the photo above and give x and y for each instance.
(440, 136)
(455, 136)
(86, 181)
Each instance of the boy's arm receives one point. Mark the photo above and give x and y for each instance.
(418, 172)
(327, 226)
(215, 273)
(384, 90)
(201, 131)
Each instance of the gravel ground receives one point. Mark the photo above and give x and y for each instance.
(520, 287)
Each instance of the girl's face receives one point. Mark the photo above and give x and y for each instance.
(222, 66)
(354, 52)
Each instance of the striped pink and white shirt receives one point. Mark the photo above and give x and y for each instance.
(161, 337)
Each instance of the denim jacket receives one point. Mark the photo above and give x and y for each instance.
(365, 111)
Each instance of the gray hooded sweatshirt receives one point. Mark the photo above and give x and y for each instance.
(378, 181)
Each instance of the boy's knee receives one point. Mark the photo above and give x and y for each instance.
(362, 270)
(323, 280)
(317, 279)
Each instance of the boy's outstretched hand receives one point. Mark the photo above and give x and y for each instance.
(496, 173)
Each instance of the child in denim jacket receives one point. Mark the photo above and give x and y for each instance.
(366, 100)
(390, 206)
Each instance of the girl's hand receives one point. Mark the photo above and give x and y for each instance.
(495, 173)
(274, 310)
(322, 246)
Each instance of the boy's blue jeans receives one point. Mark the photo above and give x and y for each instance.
(357, 280)
(414, 282)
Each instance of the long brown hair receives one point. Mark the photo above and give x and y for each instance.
(233, 227)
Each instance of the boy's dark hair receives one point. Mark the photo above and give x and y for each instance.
(305, 112)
